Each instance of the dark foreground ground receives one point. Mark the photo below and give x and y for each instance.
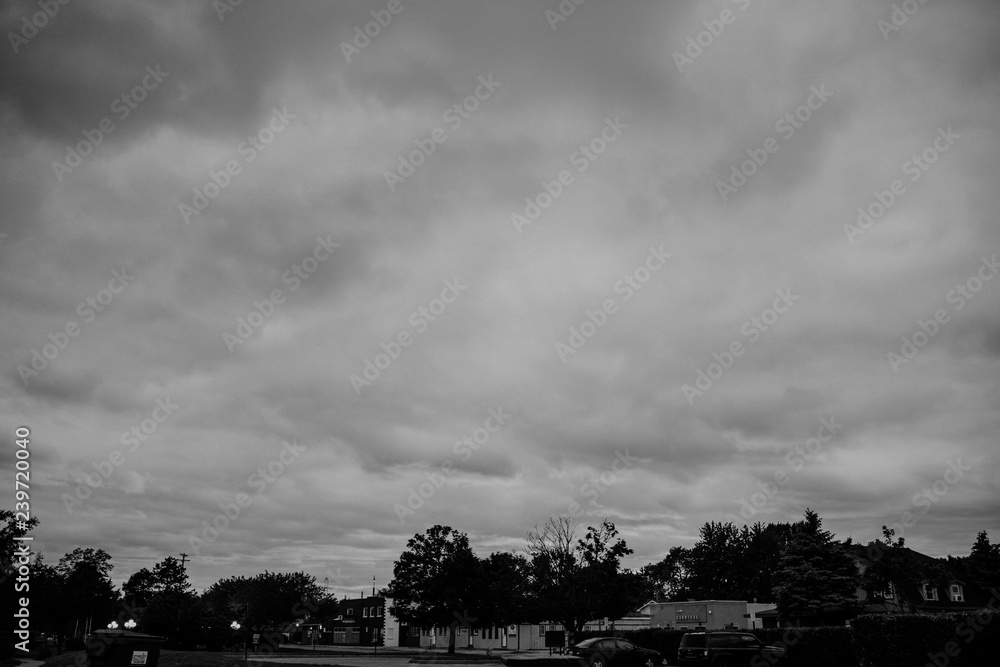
(297, 656)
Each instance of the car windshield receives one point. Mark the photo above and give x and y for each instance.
(693, 641)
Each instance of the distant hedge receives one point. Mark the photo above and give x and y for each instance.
(934, 640)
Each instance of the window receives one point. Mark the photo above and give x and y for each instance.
(955, 590)
(541, 630)
(415, 632)
(475, 632)
(350, 611)
(929, 592)
(724, 641)
(364, 612)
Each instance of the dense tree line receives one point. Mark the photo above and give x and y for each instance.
(438, 581)
(810, 576)
(77, 595)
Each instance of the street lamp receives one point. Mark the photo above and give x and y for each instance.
(130, 624)
(235, 625)
(113, 625)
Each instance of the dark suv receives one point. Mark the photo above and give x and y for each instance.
(726, 648)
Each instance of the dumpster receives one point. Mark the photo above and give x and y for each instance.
(121, 648)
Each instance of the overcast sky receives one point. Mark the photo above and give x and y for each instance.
(494, 262)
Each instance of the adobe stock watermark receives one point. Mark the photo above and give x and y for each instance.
(40, 19)
(961, 294)
(132, 438)
(795, 460)
(598, 485)
(630, 283)
(752, 329)
(898, 17)
(362, 38)
(931, 495)
(972, 625)
(454, 116)
(915, 167)
(231, 510)
(581, 158)
(706, 38)
(563, 11)
(464, 449)
(88, 310)
(263, 310)
(122, 106)
(790, 637)
(248, 149)
(419, 319)
(785, 126)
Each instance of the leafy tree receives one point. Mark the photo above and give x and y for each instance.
(140, 587)
(504, 597)
(817, 576)
(983, 562)
(669, 579)
(266, 601)
(763, 546)
(49, 613)
(576, 581)
(436, 581)
(717, 568)
(609, 591)
(171, 575)
(89, 595)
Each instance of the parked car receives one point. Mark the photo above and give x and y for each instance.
(726, 649)
(614, 652)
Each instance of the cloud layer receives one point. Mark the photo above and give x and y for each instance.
(335, 272)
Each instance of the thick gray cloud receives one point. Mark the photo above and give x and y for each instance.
(234, 246)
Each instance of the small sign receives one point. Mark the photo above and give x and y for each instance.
(139, 657)
(256, 638)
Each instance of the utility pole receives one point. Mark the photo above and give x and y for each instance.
(184, 558)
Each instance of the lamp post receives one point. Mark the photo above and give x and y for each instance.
(113, 625)
(235, 625)
(130, 624)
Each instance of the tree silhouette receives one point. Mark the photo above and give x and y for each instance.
(436, 581)
(816, 576)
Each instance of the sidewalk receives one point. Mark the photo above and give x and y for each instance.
(425, 654)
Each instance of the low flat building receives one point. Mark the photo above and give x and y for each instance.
(704, 614)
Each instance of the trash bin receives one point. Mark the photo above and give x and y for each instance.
(121, 648)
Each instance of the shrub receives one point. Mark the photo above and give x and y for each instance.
(901, 640)
(975, 641)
